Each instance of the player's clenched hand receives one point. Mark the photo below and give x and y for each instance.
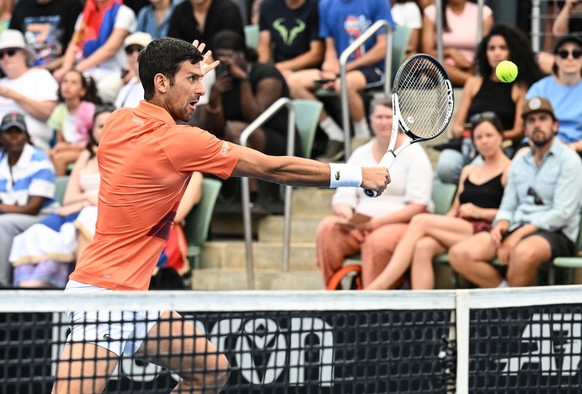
(375, 178)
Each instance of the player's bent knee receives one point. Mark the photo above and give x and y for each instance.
(213, 378)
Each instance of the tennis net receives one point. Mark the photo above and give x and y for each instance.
(482, 341)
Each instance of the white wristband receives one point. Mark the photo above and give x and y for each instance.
(344, 175)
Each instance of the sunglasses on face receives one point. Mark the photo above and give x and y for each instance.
(576, 53)
(133, 48)
(8, 52)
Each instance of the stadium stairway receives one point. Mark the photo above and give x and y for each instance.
(222, 264)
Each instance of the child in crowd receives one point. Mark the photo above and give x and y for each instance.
(72, 119)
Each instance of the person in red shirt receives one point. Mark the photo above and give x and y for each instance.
(145, 162)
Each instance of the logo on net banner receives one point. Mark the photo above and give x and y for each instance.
(556, 343)
(284, 348)
(284, 345)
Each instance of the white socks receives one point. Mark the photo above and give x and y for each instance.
(334, 132)
(361, 129)
(331, 128)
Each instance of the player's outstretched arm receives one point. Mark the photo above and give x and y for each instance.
(296, 171)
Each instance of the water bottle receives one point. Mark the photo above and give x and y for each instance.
(467, 147)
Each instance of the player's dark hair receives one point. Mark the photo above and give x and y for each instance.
(519, 52)
(164, 56)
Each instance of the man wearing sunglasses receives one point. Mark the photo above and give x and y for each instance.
(564, 90)
(26, 90)
(540, 211)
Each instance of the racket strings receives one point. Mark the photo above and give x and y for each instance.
(423, 97)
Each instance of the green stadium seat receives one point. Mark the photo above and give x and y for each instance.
(570, 263)
(306, 120)
(252, 36)
(198, 220)
(60, 188)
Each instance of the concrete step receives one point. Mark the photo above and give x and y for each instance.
(230, 255)
(236, 279)
(312, 202)
(303, 229)
(306, 202)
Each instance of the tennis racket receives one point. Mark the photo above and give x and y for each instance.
(422, 105)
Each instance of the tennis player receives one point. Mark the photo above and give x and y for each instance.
(145, 161)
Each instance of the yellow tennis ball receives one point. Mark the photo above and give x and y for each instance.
(506, 71)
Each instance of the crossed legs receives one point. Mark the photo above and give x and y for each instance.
(427, 235)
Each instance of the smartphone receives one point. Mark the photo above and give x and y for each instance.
(321, 82)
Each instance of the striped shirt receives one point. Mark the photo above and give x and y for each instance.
(32, 175)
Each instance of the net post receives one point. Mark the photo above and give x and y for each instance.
(462, 337)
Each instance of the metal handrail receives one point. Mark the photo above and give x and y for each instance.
(343, 59)
(480, 5)
(536, 34)
(251, 128)
(439, 31)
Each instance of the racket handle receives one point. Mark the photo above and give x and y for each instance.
(386, 161)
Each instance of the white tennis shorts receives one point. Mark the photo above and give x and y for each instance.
(121, 332)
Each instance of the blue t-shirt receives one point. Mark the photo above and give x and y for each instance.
(566, 102)
(346, 20)
(146, 20)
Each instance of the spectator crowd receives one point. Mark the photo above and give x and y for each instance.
(513, 151)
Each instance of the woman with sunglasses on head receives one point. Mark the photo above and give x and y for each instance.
(564, 90)
(486, 93)
(475, 205)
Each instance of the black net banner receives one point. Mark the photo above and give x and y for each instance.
(269, 352)
(533, 349)
(464, 341)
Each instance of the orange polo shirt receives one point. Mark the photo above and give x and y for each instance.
(145, 162)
